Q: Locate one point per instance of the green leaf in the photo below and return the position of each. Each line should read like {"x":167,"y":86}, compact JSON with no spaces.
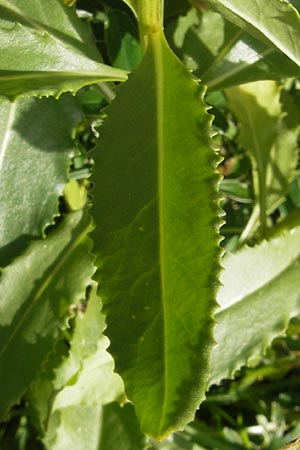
{"x":276,"y":22}
{"x":36,"y":292}
{"x":122,"y":40}
{"x":270,"y":135}
{"x":47,"y":50}
{"x":155,"y":206}
{"x":82,"y":384}
{"x":35,"y":157}
{"x":260,"y":294}
{"x":222,"y":54}
{"x":236,"y":190}
{"x":126,"y":430}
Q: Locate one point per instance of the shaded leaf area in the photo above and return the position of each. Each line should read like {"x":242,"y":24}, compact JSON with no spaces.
{"x":132,"y":5}
{"x":156,"y":240}
{"x":35,"y":156}
{"x":296,"y":4}
{"x":37,"y":290}
{"x":122,"y":40}
{"x":221,"y":54}
{"x":126,"y":430}
{"x":275,"y":22}
{"x":47,"y":50}
{"x":66,"y":400}
{"x":269,"y":131}
{"x":259,"y":295}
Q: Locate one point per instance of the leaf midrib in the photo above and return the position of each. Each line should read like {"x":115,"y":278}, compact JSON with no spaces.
{"x":9,"y":125}
{"x":42,"y":74}
{"x":157,"y":41}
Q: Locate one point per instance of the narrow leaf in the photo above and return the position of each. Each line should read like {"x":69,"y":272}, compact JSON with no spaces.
{"x":35,"y":156}
{"x":276,"y":22}
{"x":47,"y":50}
{"x":36,"y":292}
{"x":271,"y":137}
{"x":155,"y":206}
{"x":260,"y":294}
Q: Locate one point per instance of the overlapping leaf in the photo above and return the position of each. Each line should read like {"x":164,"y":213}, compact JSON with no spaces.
{"x":37,"y":290}
{"x":47,"y":50}
{"x":35,"y":156}
{"x":269,"y":131}
{"x":68,"y":398}
{"x":127,"y":434}
{"x":155,"y":206}
{"x":222,"y":54}
{"x":275,"y":22}
{"x":260,"y":294}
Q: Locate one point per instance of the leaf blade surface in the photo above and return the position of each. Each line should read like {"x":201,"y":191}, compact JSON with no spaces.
{"x":47,"y":50}
{"x":36,"y":292}
{"x":35,"y":157}
{"x":276,"y":22}
{"x":150,"y":179}
{"x":260,"y":294}
{"x":269,"y":132}
{"x":221,"y":54}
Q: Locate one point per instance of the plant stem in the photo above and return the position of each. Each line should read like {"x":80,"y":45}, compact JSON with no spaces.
{"x":107,"y":91}
{"x":150,"y":18}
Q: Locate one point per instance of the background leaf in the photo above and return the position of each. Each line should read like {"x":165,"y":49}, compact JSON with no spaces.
{"x":270,"y":135}
{"x":36,"y":292}
{"x":221,"y":54}
{"x":47,"y":50}
{"x":276,"y":22}
{"x":83,"y":383}
{"x":126,"y":435}
{"x":35,"y":156}
{"x":157,"y":238}
{"x":259,"y":295}
{"x":125,"y":51}
{"x":72,"y":388}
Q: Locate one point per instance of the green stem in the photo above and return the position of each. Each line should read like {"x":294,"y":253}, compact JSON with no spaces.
{"x":150,"y":18}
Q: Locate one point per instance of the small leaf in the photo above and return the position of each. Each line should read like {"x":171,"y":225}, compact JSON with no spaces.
{"x":35,"y":156}
{"x":36,"y":292}
{"x":271,"y":137}
{"x":47,"y":50}
{"x":275,"y":22}
{"x":260,"y":294}
{"x":155,"y":206}
{"x":236,"y":190}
